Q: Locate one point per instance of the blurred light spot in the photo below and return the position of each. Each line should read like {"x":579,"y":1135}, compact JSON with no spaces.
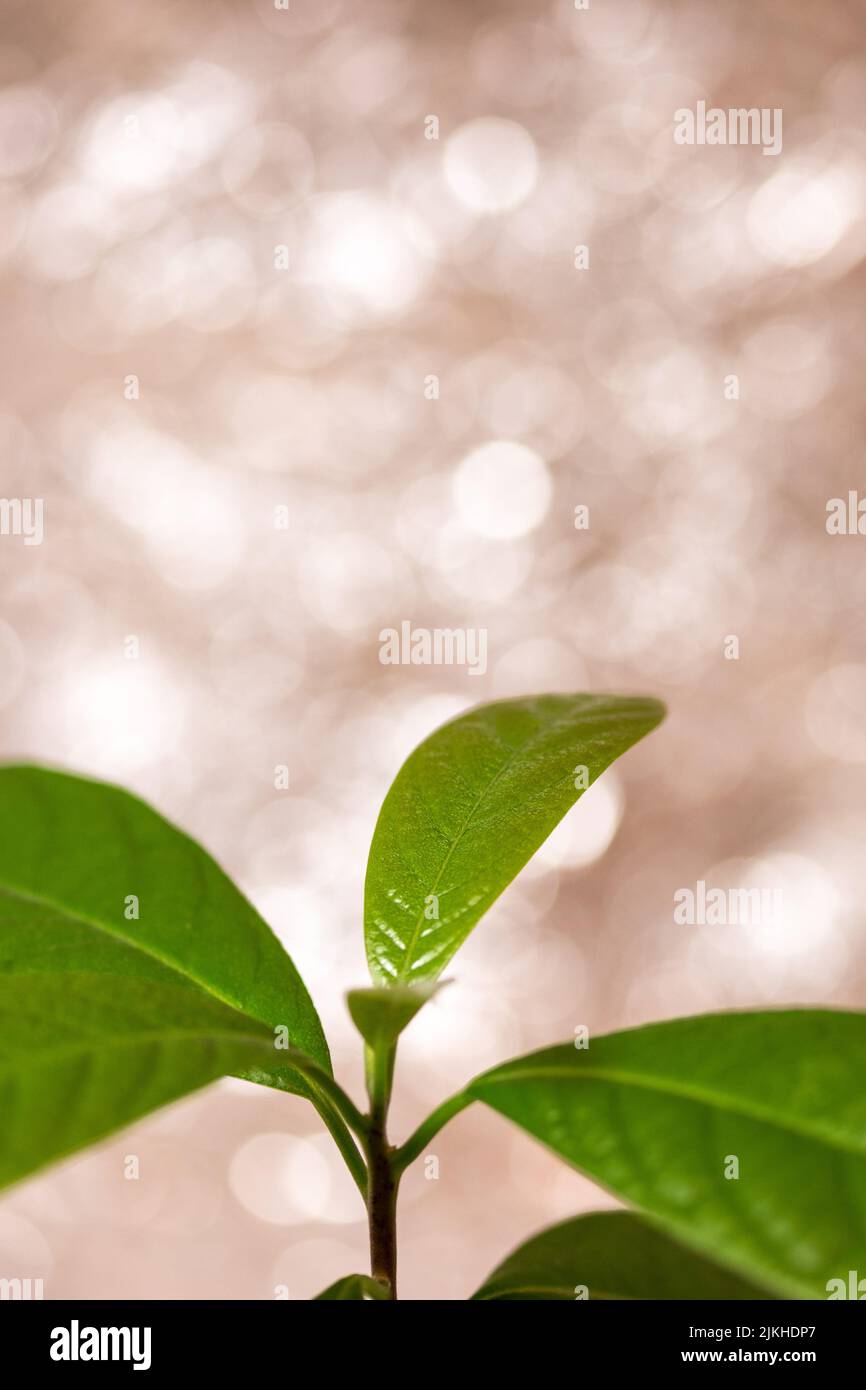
{"x":214,"y":284}
{"x":539,"y":963}
{"x":95,"y":1187}
{"x":621,"y":339}
{"x":845,"y":86}
{"x":210,"y":102}
{"x":518,"y":397}
{"x":454,"y":1028}
{"x":369,"y":250}
{"x":371,"y":74}
{"x":131,"y":145}
{"x":68,"y":228}
{"x":122,"y":715}
{"x":317,"y":331}
{"x":690,"y":488}
{"x":267,"y":169}
{"x":618,"y":592}
{"x":615,"y":30}
{"x":672,"y":394}
{"x":186,"y":512}
{"x":279,"y":421}
{"x":24,"y":1251}
{"x":13,"y":219}
{"x":588,"y":829}
{"x":519,"y":64}
{"x":480,"y":572}
{"x":145,"y":141}
{"x":28,"y":129}
{"x":135,"y":288}
{"x":309,"y":921}
{"x":797,"y":950}
{"x":502,"y":489}
{"x":12,"y":664}
{"x":530,"y":896}
{"x":345,"y":1205}
{"x":345,"y":582}
{"x":282,"y":1179}
{"x":615,"y":156}
{"x":491,"y":164}
{"x":801,"y":213}
{"x":194,"y":1198}
{"x":835,"y":709}
{"x":293,"y":840}
{"x":420,"y":718}
{"x":541,"y":663}
{"x":789,"y":369}
{"x":253,"y":674}
{"x":418,"y":184}
{"x":667,"y":993}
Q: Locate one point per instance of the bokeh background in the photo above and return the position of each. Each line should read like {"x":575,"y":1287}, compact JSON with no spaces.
{"x":241,"y":208}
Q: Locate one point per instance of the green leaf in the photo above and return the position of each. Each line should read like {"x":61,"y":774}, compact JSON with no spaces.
{"x":77,"y":856}
{"x":470,"y":807}
{"x":610,"y":1254}
{"x":380,"y":1015}
{"x":658,"y":1114}
{"x":84,"y":1054}
{"x":354,"y":1288}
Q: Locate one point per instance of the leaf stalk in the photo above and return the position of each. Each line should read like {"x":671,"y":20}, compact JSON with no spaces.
{"x":428,"y":1129}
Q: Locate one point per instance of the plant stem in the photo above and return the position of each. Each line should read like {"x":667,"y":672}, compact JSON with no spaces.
{"x":379,"y":1075}
{"x":427,"y":1130}
{"x":382,"y":1207}
{"x":383,"y":1181}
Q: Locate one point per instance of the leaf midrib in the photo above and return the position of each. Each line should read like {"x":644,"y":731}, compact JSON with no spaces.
{"x":107,"y":1043}
{"x":144,"y":949}
{"x":401,"y":975}
{"x":726,"y":1103}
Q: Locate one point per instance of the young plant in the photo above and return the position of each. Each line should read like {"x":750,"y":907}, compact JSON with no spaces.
{"x":132,"y":972}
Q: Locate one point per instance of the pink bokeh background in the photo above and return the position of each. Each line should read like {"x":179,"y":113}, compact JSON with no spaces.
{"x":243,"y":286}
